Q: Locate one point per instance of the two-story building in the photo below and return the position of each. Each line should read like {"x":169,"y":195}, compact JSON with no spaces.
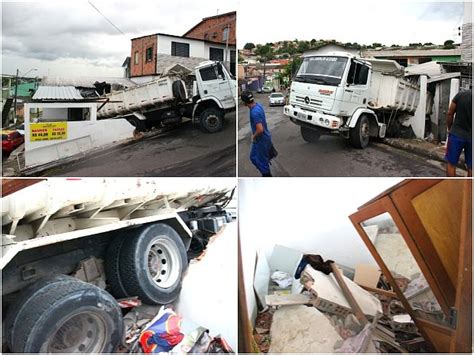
{"x":211,"y":39}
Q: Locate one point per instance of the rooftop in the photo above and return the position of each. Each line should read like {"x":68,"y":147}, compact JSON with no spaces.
{"x":57,"y":93}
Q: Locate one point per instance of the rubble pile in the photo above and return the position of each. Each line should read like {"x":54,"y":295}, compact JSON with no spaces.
{"x":374,"y":322}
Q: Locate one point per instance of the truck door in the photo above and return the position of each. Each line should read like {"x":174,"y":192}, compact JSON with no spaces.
{"x":215,"y":81}
{"x":356,"y":90}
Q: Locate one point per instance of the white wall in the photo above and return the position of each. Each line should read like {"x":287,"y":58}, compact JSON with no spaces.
{"x":197,"y":49}
{"x":81,"y":135}
{"x":309,"y":215}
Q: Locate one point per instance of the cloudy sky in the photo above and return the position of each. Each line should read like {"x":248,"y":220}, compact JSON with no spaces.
{"x":72,"y":38}
{"x":365,"y":22}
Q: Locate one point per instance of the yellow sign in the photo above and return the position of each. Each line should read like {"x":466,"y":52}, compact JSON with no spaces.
{"x":48,"y":131}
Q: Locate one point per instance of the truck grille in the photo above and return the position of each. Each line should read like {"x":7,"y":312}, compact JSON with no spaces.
{"x":312,"y":102}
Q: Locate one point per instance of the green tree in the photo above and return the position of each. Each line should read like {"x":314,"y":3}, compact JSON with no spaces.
{"x":449,"y":44}
{"x":249,"y":46}
{"x":264,"y":54}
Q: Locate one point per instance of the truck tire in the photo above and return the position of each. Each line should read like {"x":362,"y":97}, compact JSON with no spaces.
{"x":179,"y":91}
{"x":152,"y":264}
{"x":212,"y":120}
{"x":70,"y":316}
{"x":23,"y":301}
{"x":359,"y":135}
{"x":112,"y":268}
{"x":309,"y":135}
{"x":138,"y":124}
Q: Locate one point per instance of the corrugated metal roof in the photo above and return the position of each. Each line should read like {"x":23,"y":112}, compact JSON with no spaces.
{"x":85,"y":81}
{"x":60,"y":93}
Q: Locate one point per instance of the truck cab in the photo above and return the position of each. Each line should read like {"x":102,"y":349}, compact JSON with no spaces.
{"x":328,"y":95}
{"x":214,"y":95}
{"x":214,"y":82}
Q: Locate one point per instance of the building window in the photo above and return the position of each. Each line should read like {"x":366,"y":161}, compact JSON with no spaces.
{"x":225,"y":34}
{"x":149,"y":54}
{"x":179,"y":49}
{"x":136,"y":57}
{"x":216,"y":54}
{"x":208,"y":73}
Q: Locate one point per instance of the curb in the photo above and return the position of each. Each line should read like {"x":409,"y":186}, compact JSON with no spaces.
{"x":410,"y":145}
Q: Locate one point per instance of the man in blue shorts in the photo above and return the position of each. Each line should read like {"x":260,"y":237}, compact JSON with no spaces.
{"x":460,"y":132}
{"x":261,"y":137}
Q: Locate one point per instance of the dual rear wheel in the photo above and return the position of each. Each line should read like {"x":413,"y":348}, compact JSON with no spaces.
{"x":64,"y":314}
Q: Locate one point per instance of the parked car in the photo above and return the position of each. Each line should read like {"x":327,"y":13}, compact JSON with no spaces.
{"x":276,"y":99}
{"x":11,"y":140}
{"x":267,"y":89}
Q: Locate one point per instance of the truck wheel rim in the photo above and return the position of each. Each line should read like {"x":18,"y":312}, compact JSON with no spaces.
{"x":85,"y":332}
{"x":164,"y":263}
{"x":212,"y":121}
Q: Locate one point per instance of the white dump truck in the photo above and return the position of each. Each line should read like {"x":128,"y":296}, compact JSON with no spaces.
{"x":208,"y":97}
{"x":71,"y":248}
{"x":339,"y":93}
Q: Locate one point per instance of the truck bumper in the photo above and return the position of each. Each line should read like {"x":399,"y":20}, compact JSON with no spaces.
{"x":318,"y":119}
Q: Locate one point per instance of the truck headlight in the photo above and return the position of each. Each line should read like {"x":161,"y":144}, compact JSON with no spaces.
{"x":326,"y":122}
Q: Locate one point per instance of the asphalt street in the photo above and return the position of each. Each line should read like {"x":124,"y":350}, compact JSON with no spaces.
{"x":185,"y":151}
{"x":330,"y":156}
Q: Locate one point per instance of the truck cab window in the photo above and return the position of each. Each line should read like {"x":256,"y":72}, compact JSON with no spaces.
{"x":220,"y":72}
{"x":361,"y":75}
{"x":358,"y":74}
{"x":208,"y":73}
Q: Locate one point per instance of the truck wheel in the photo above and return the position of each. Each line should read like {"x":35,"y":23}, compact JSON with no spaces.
{"x":153,"y":263}
{"x":112,"y":264}
{"x":68,"y":316}
{"x":138,"y":124}
{"x":309,"y":135}
{"x":359,"y":135}
{"x":179,"y":91}
{"x":23,"y":301}
{"x":212,"y":120}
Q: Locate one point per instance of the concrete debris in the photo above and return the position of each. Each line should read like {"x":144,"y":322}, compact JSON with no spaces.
{"x":322,"y":320}
{"x":287,"y":300}
{"x":302,"y":329}
{"x":331,"y":299}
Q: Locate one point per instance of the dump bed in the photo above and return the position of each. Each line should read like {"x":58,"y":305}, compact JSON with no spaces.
{"x":389,"y":89}
{"x":156,"y":93}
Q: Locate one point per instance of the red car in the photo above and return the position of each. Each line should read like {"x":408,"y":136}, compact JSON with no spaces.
{"x":11,"y":140}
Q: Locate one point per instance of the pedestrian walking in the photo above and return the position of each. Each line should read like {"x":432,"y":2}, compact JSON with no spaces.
{"x":459,"y":124}
{"x":260,"y":153}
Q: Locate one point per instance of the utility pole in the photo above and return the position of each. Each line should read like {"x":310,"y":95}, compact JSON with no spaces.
{"x":16,"y":93}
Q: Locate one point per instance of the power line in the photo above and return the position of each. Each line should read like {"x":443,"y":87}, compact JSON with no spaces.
{"x":118,"y":29}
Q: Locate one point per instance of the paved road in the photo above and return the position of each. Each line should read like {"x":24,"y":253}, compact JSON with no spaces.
{"x":331,"y":156}
{"x":186,"y":151}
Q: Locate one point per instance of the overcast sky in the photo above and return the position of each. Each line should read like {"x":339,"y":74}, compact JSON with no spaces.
{"x":72,"y":38}
{"x":364,"y":22}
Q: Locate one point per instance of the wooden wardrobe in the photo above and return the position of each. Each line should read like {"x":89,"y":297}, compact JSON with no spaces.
{"x":421,"y":231}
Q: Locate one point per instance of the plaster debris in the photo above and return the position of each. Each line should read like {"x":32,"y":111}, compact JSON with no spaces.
{"x":302,"y":329}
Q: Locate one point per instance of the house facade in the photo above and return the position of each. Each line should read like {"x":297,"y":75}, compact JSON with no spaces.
{"x":152,"y":54}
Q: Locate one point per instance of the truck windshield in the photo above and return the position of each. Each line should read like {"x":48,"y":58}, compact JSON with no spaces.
{"x":321,"y":70}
